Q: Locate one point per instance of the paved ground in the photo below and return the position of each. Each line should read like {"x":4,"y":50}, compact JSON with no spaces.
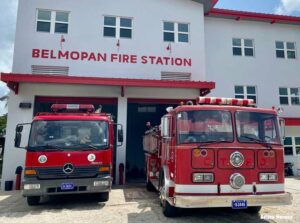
{"x":134,"y":204}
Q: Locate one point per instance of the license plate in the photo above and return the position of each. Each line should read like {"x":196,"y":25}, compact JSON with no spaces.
{"x":67,"y":186}
{"x":239,"y":204}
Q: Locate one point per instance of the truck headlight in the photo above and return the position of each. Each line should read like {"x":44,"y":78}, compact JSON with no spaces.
{"x":267,"y":177}
{"x":101,"y":183}
{"x":32,"y":186}
{"x":203,"y":177}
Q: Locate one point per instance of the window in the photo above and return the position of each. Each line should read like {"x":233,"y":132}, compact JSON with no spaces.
{"x":292,"y":144}
{"x":117,"y":27}
{"x":176,"y":32}
{"x":245,"y":92}
{"x":285,"y":50}
{"x":52,"y":21}
{"x":289,"y":96}
{"x":243,"y":47}
{"x":288,"y":146}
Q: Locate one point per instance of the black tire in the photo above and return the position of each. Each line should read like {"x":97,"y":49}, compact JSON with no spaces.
{"x":33,"y":200}
{"x":169,"y":211}
{"x":253,"y":210}
{"x":103,"y":197}
{"x":150,"y":187}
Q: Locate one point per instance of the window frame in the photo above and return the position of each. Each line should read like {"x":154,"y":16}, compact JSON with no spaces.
{"x":176,"y":32}
{"x":118,"y":27}
{"x":289,"y":96}
{"x":243,"y":47}
{"x":52,"y":21}
{"x":245,"y":92}
{"x":285,"y":49}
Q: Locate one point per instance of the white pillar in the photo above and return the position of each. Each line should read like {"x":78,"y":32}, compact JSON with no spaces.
{"x":121,"y":151}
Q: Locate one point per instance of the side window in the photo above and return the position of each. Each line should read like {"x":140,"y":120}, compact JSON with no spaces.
{"x":270,"y":132}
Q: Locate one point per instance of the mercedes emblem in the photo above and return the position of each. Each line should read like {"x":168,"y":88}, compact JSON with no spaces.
{"x":68,"y":168}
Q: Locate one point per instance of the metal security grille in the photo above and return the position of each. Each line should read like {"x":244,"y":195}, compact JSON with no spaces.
{"x":58,"y":173}
{"x":54,"y":70}
{"x":176,"y":76}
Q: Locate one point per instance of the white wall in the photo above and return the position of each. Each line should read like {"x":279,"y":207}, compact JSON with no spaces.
{"x":14,"y":157}
{"x":86,"y":34}
{"x":264,"y":70}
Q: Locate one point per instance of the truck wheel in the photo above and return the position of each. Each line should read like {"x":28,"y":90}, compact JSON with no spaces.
{"x":150,"y":187}
{"x":104,"y":196}
{"x":253,"y":210}
{"x":33,"y":200}
{"x":169,"y":210}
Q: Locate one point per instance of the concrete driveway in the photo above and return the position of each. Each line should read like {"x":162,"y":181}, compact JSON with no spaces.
{"x":134,"y":204}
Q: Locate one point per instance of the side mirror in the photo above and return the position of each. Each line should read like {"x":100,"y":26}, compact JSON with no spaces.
{"x":282,"y":128}
{"x":19,"y":128}
{"x":120,"y":135}
{"x":18,"y":135}
{"x":18,"y":138}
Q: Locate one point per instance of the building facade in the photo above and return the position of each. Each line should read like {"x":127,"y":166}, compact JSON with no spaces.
{"x":137,"y":57}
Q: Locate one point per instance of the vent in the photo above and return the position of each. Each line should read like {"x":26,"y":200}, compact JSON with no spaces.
{"x":54,"y":70}
{"x":175,"y":76}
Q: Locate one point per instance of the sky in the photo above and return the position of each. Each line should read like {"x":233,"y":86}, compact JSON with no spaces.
{"x":8,"y":13}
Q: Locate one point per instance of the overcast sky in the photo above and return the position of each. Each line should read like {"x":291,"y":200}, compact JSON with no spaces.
{"x":8,"y":12}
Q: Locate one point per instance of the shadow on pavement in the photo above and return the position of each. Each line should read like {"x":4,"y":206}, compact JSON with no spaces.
{"x":14,"y":205}
{"x":149,"y":210}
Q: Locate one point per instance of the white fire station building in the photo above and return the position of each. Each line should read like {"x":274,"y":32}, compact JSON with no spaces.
{"x":137,"y":57}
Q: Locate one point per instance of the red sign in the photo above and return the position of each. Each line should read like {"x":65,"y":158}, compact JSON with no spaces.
{"x":112,"y":58}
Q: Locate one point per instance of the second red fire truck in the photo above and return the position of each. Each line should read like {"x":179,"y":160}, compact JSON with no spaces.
{"x":218,"y":153}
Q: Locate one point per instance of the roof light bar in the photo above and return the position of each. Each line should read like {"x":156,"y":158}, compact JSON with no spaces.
{"x":72,"y":107}
{"x":224,"y":101}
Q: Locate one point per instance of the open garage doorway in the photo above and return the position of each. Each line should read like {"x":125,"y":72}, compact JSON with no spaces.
{"x":139,"y":113}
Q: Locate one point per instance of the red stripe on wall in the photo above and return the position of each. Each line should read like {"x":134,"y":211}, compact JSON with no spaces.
{"x":292,"y":121}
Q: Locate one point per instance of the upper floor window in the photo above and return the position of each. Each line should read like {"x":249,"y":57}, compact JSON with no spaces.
{"x":52,"y":21}
{"x":289,"y":96}
{"x":292,"y":145}
{"x":243,"y":47}
{"x":245,"y":92}
{"x":285,"y":50}
{"x":117,"y":27}
{"x":176,"y":32}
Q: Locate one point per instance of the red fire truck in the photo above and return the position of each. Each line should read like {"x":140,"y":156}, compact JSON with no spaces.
{"x":70,"y":151}
{"x":220,"y":152}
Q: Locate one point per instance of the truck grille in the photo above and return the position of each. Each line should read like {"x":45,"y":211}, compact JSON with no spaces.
{"x":58,"y":173}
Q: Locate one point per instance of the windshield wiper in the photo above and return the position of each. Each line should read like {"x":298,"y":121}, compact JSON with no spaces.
{"x":211,"y":142}
{"x":263,"y":143}
{"x":90,"y":146}
{"x":47,"y":147}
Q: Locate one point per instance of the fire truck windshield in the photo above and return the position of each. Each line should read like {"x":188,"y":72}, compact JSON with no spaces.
{"x":204,"y":126}
{"x":68,"y":135}
{"x":257,"y":127}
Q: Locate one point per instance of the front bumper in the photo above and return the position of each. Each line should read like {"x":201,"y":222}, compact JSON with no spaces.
{"x":52,"y":187}
{"x":226,"y":201}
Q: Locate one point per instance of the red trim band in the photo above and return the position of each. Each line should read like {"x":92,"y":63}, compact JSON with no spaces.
{"x":122,"y":82}
{"x":292,"y":121}
{"x":241,"y":15}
